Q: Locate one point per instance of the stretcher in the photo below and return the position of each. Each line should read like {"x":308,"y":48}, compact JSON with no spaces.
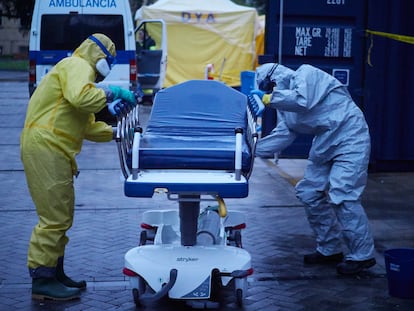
{"x":197,"y":149}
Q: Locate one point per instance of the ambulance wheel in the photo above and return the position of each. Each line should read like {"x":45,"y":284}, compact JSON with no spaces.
{"x":239,"y":297}
{"x":143,"y":238}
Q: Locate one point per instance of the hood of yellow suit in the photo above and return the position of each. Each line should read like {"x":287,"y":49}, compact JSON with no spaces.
{"x":91,"y":52}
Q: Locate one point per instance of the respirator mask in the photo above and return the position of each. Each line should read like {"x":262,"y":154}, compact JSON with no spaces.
{"x":104,"y":65}
{"x":267,"y":85}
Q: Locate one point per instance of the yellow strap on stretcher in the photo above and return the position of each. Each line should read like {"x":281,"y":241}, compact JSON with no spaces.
{"x":222,"y":210}
{"x":401,"y":38}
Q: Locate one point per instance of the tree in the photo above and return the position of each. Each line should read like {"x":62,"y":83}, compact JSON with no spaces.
{"x":21,"y":9}
{"x":136,"y":4}
{"x":260,"y":5}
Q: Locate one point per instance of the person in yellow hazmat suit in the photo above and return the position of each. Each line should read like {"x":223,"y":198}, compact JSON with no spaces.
{"x":59,"y":117}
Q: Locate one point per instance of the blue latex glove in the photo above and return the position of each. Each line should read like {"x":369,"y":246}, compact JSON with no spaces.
{"x":139,"y":93}
{"x":116,"y":107}
{"x":258,"y":93}
{"x":120,"y":93}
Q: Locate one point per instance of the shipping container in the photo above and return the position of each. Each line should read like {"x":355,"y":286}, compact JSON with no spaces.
{"x":333,"y":35}
{"x":389,"y":79}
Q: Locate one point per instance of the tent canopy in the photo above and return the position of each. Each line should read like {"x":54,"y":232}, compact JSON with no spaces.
{"x":202,"y":32}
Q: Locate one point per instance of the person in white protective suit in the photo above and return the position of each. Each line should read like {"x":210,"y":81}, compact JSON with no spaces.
{"x":311,"y":101}
{"x":60,"y":115}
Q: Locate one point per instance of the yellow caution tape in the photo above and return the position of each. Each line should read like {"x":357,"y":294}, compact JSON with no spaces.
{"x":401,"y":38}
{"x":406,"y":39}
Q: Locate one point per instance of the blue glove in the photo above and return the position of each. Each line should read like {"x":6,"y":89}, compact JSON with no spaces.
{"x":139,"y":93}
{"x":116,"y":107}
{"x":120,"y":93}
{"x":258,"y":93}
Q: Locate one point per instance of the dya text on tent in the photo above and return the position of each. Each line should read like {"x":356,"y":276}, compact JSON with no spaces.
{"x":197,"y":18}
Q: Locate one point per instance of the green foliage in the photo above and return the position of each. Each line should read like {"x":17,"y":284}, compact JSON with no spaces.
{"x":10,"y":63}
{"x":20,"y":9}
{"x":23,"y":8}
{"x":260,"y":5}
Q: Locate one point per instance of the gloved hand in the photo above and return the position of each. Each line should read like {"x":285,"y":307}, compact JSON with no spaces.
{"x":258,"y":93}
{"x":139,"y":93}
{"x":265,"y":98}
{"x":120,"y":93}
{"x":116,"y":107}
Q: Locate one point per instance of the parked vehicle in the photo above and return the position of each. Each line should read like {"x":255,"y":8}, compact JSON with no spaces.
{"x":151,"y":53}
{"x":58,"y":27}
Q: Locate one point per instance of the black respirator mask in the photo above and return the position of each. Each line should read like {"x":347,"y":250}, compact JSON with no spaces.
{"x":267,"y":85}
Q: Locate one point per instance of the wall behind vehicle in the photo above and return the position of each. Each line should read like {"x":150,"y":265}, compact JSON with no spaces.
{"x":13,"y":39}
{"x":332,"y":35}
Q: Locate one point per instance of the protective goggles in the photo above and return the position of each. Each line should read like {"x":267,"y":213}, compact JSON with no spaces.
{"x":109,"y":58}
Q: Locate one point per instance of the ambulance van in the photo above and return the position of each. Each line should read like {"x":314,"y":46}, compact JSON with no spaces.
{"x":59,"y":26}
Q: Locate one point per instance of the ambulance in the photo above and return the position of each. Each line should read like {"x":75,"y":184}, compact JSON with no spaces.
{"x":59,"y":27}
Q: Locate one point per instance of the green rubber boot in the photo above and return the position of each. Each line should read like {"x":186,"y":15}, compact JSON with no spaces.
{"x":51,"y":288}
{"x":65,"y":280}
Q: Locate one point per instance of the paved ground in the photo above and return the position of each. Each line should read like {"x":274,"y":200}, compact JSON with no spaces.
{"x":107,"y":225}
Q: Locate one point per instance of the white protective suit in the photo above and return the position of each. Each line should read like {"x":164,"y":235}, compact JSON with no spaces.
{"x":310,"y":101}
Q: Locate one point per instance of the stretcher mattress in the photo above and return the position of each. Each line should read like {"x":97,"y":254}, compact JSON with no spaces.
{"x":192,"y":126}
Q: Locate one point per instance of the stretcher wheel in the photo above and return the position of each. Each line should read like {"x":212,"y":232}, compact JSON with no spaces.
{"x":216,"y":285}
{"x":238,"y":239}
{"x":139,"y":291}
{"x":135,"y":294}
{"x":143,"y":238}
{"x":239,"y":297}
{"x":235,"y":239}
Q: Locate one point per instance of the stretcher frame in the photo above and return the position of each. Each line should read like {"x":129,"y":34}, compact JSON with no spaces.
{"x":189,"y":187}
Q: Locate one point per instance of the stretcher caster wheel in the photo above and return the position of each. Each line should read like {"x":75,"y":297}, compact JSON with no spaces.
{"x":139,"y":289}
{"x":239,"y":297}
{"x":135,"y":294}
{"x":234,"y":238}
{"x":143,"y":238}
{"x":238,"y":239}
{"x":216,"y":285}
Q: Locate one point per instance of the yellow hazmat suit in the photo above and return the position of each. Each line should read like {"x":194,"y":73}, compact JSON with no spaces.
{"x":59,"y":116}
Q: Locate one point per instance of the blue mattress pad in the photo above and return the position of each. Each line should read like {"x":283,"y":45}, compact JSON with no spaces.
{"x":192,"y":126}
{"x":203,"y":152}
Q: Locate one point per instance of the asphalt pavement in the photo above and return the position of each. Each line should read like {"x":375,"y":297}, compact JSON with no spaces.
{"x":106,"y":226}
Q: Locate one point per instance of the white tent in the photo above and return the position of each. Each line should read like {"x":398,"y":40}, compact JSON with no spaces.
{"x":202,"y":32}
